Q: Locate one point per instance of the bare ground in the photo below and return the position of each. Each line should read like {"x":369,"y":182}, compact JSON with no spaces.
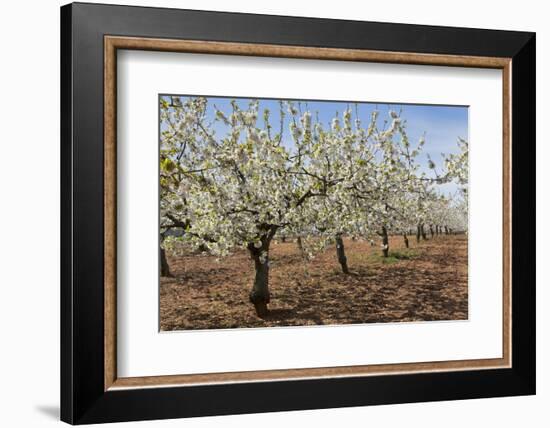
{"x":425,"y":283}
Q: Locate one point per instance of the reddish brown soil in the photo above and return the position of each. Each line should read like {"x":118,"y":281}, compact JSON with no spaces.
{"x":425,"y":283}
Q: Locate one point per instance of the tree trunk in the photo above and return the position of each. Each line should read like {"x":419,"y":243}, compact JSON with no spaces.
{"x":418,"y":233}
{"x":446,"y":230}
{"x":385,"y":242}
{"x":283,"y":239}
{"x":164,"y":267}
{"x":423,"y":232}
{"x":259,"y":295}
{"x":406,"y":240}
{"x":341,"y":254}
{"x":431,"y":231}
{"x":300,"y":246}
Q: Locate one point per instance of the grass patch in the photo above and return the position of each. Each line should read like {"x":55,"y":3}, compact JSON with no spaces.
{"x":407,"y":254}
{"x":394,"y":256}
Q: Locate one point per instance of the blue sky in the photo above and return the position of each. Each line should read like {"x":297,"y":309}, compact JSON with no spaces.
{"x":441,"y":125}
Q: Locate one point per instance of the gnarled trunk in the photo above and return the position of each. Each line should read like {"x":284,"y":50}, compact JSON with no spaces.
{"x":259,"y":295}
{"x":406,"y":240}
{"x":341,"y":254}
{"x":385,"y":242}
{"x":423,"y":232}
{"x":300,"y":247}
{"x":431,"y":231}
{"x":418,"y":233}
{"x":164,"y":267}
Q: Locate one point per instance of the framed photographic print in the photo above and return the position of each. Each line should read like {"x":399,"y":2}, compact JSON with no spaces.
{"x":265,"y":213}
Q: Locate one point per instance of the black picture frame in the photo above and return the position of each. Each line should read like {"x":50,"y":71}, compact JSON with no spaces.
{"x":83,"y":399}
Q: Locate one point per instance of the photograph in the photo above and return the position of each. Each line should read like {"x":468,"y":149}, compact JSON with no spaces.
{"x":289,"y":212}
